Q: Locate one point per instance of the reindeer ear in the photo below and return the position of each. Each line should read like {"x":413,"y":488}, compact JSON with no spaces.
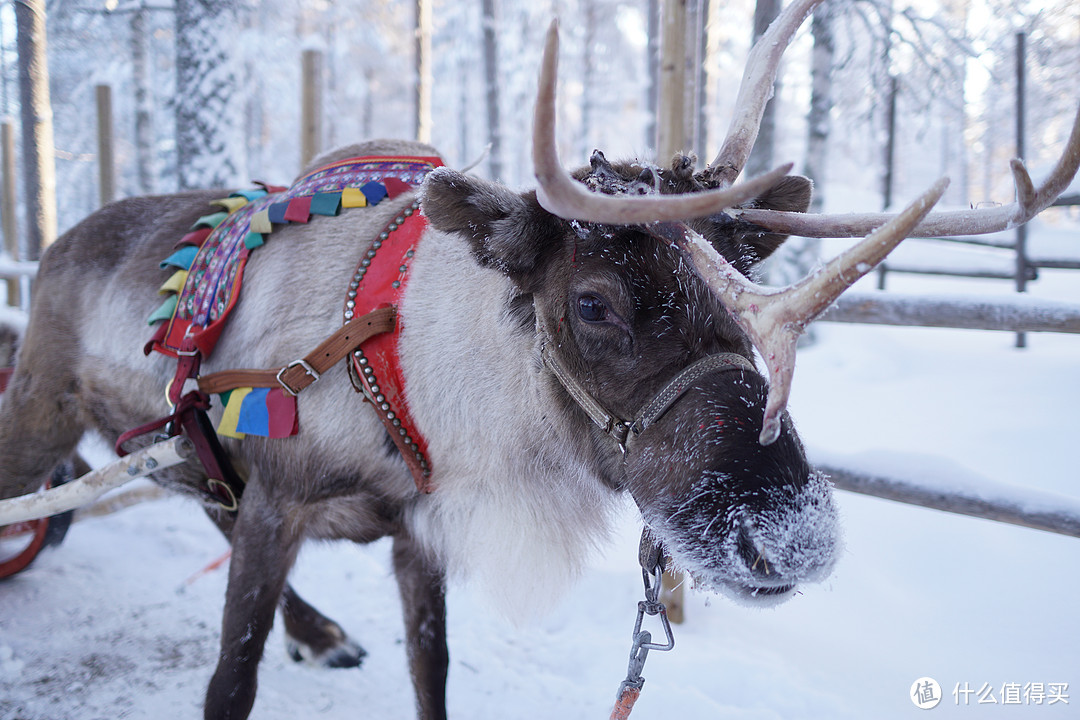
{"x":790,"y":194}
{"x":507,"y":230}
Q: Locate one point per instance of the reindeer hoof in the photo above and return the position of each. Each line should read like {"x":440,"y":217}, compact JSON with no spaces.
{"x":346,"y":653}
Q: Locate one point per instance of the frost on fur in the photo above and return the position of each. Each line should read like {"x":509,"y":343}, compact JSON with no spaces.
{"x":757,"y":559}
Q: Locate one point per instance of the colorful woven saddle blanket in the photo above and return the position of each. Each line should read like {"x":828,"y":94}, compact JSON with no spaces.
{"x":208,"y":268}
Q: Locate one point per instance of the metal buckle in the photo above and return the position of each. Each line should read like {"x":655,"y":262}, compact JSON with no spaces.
{"x":233,"y":503}
{"x":310,"y":371}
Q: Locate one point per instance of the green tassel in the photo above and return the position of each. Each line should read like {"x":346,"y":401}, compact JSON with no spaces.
{"x":164,"y":311}
{"x":211,"y":221}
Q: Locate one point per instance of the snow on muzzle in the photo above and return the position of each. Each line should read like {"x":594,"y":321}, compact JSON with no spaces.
{"x":747,"y":520}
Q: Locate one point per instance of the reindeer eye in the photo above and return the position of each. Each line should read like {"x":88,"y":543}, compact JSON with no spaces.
{"x":592,"y":309}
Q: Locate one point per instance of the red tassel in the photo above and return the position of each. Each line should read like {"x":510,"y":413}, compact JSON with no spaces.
{"x":299,"y":209}
{"x":395,"y":187}
{"x":195,"y":237}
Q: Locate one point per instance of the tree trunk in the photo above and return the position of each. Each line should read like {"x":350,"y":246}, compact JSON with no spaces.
{"x":589,"y":80}
{"x":701,"y":79}
{"x":652,"y":93}
{"x":761,"y":157}
{"x":209,"y":146}
{"x":797,"y":257}
{"x":819,"y":124}
{"x":145,"y":151}
{"x":491,"y":80}
{"x":39,"y":154}
{"x":8,"y":200}
{"x":886,"y":85}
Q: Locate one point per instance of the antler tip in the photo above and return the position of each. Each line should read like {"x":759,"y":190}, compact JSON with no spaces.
{"x":553,"y":32}
{"x":770,"y":431}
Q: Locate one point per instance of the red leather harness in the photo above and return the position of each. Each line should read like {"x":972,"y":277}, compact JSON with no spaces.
{"x":378,"y":282}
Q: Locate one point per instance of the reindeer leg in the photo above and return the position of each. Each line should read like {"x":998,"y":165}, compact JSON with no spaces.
{"x":310,"y":636}
{"x":40,"y":425}
{"x":423,"y":597}
{"x":264,"y":547}
{"x":314,"y":638}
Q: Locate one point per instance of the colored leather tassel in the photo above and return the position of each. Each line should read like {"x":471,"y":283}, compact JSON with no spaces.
{"x":164,"y":311}
{"x":182,"y":258}
{"x":175,"y":283}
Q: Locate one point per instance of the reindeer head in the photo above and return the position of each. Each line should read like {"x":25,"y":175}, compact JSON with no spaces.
{"x":619,"y":316}
{"x":634,"y":280}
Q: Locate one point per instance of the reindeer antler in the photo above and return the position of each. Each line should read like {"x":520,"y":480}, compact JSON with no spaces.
{"x":1030,"y":201}
{"x":774,"y":318}
{"x":561,"y":195}
{"x":754,"y":92}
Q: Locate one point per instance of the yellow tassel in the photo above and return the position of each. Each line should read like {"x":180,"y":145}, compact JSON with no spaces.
{"x":260,"y":222}
{"x":232,"y":204}
{"x":174,"y":284}
{"x":231,"y":416}
{"x":352,"y":197}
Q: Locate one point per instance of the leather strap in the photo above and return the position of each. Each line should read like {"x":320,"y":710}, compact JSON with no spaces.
{"x":298,"y":374}
{"x":223,"y":485}
{"x":623,"y":431}
{"x":682,"y":382}
{"x":605,"y":420}
{"x":5,"y":377}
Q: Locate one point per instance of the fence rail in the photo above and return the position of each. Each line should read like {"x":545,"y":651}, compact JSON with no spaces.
{"x":1063,"y":518}
{"x":11,"y":269}
{"x":1009,"y":313}
{"x":19,"y":275}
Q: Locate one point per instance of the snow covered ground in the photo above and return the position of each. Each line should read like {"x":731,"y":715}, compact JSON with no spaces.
{"x":108,"y":626}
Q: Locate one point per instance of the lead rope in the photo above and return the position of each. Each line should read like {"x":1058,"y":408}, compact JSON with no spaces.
{"x":652,"y":570}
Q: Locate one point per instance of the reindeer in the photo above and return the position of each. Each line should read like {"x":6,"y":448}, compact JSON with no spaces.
{"x":560,"y":347}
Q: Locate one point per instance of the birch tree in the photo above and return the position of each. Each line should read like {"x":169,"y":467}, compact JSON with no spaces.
{"x":39,"y":162}
{"x":208,"y":108}
{"x":491,"y":86}
{"x":145,"y":145}
{"x":797,"y":256}
{"x":761,"y":158}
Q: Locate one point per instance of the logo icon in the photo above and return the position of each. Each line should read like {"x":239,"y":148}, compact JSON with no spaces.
{"x":925,"y":693}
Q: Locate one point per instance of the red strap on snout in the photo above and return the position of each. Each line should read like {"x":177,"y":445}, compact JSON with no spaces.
{"x":5,"y":376}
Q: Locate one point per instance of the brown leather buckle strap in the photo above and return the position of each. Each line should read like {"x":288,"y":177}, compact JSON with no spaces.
{"x":223,"y":485}
{"x":298,"y":374}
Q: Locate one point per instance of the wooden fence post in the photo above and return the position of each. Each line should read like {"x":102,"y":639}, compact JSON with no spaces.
{"x":106,"y":157}
{"x":424,"y":78}
{"x":7,"y":206}
{"x":671,"y":113}
{"x":672,"y":137}
{"x":311,"y":107}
